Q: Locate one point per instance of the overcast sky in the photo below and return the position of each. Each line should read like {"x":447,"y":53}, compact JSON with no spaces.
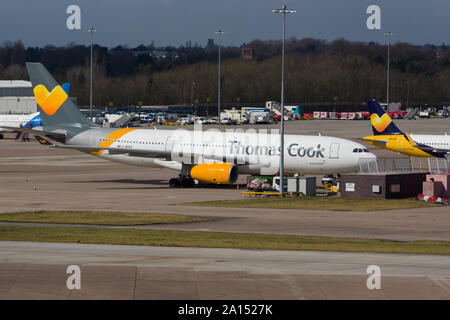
{"x":173,"y":22}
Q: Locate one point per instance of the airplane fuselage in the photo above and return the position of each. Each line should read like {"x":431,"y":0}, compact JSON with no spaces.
{"x":251,"y":151}
{"x":441,"y":142}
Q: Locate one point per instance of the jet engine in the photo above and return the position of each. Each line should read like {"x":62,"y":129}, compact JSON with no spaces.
{"x":218,"y":173}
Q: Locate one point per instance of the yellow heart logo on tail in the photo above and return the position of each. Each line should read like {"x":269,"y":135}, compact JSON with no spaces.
{"x":50,"y":101}
{"x":380,"y":124}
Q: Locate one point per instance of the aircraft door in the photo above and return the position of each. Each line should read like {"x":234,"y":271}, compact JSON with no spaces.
{"x":95,"y":138}
{"x":169,"y":143}
{"x":334,"y":151}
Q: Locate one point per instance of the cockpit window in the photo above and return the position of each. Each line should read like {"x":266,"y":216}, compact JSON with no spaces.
{"x":358,"y":150}
{"x":365,"y":150}
{"x":355,"y":150}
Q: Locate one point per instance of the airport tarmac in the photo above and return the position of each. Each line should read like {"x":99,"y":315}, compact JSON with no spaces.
{"x":81,"y":182}
{"x":70,"y":180}
{"x":38,"y":271}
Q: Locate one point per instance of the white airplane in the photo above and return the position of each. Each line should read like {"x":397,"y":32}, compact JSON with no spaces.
{"x":19,"y":120}
{"x":209,"y":156}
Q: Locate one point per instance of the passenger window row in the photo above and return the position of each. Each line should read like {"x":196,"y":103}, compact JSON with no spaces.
{"x":128,"y":141}
{"x":203,"y":145}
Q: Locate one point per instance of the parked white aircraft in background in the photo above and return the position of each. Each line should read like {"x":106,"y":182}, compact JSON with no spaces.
{"x":18,"y":121}
{"x":209,"y":156}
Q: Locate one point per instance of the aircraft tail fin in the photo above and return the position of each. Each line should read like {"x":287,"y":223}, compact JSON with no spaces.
{"x":381,"y":123}
{"x":57,"y":110}
{"x":66,"y":87}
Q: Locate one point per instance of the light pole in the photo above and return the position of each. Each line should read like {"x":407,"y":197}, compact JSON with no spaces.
{"x":91,"y":31}
{"x":388,"y":35}
{"x":220,"y":33}
{"x":192,"y":94}
{"x":192,"y":97}
{"x":284,"y":10}
{"x":407,"y":94}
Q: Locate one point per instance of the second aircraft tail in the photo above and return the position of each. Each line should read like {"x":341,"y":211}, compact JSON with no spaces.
{"x":381,"y":123}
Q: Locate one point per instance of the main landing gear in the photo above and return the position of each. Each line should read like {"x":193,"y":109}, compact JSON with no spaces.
{"x":181,"y":182}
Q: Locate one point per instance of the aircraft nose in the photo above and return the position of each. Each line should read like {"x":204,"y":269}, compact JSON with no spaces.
{"x":364,"y":157}
{"x":367,"y":162}
{"x":370,"y":155}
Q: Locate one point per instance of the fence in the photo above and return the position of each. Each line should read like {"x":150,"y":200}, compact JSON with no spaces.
{"x":411,"y":164}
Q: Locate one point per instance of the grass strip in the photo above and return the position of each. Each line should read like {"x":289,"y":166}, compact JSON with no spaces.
{"x":317,"y":203}
{"x":97,"y":217}
{"x":216,"y":240}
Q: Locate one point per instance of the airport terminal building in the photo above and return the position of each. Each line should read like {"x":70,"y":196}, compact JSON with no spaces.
{"x":16,"y":97}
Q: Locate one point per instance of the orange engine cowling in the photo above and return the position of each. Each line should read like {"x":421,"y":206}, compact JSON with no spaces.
{"x":218,"y":173}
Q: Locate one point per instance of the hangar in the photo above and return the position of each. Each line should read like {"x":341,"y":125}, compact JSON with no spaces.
{"x":16,"y":97}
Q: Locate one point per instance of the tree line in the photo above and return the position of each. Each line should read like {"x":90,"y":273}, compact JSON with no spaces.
{"x":317,"y":71}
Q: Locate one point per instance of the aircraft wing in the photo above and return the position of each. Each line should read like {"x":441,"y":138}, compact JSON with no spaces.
{"x":113,"y":150}
{"x":53,"y":135}
{"x":159,"y":153}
